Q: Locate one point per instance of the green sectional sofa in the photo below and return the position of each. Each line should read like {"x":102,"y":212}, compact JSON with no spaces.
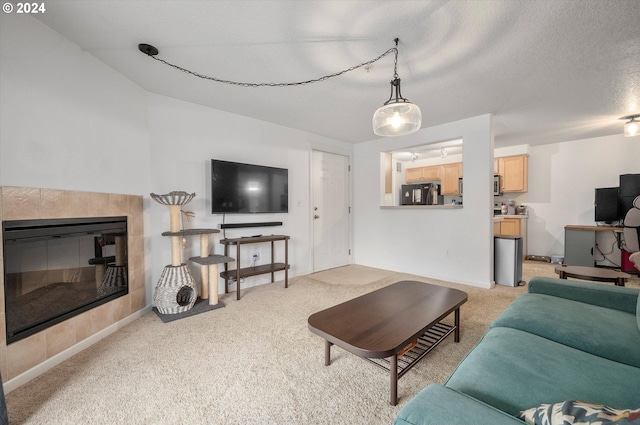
{"x":563,"y":340}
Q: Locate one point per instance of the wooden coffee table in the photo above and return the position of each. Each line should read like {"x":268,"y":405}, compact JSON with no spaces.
{"x":380,"y":325}
{"x":597,"y":274}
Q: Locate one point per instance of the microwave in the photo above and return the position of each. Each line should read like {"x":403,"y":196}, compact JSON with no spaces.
{"x":496,"y":185}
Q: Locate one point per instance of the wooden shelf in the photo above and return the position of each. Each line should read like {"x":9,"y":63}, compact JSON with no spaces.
{"x":242,"y":272}
{"x":426,"y":342}
{"x":255,"y":270}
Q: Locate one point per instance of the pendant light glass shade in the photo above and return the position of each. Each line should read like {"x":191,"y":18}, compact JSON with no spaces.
{"x":398,"y":116}
{"x":397,"y":119}
{"x":632,"y":128}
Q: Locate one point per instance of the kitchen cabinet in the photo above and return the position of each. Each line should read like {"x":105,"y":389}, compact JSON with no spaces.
{"x":449,"y":178}
{"x":423,"y":174}
{"x":513,"y":171}
{"x":511,"y":227}
{"x":497,"y":227}
{"x":413,"y":175}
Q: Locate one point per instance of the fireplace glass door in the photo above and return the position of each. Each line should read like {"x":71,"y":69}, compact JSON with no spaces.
{"x":56,"y":269}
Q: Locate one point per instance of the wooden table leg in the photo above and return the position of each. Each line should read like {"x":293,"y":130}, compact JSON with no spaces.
{"x":286,"y":263}
{"x":393,"y":397}
{"x":226,"y":269}
{"x":456,"y":321}
{"x":327,"y":352}
{"x":620,"y":281}
{"x":238,"y":272}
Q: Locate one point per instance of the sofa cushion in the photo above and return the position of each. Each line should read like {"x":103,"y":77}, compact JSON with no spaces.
{"x":514,"y":370}
{"x":437,"y":404}
{"x":607,"y":333}
{"x":578,"y":412}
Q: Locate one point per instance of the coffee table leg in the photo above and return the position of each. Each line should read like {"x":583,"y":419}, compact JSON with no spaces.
{"x":456,"y":321}
{"x":394,"y":380}
{"x":327,"y":352}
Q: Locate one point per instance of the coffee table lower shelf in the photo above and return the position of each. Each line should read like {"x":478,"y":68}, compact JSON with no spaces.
{"x":426,"y":342}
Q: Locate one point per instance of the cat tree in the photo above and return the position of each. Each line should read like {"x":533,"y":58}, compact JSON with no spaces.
{"x":176,"y":291}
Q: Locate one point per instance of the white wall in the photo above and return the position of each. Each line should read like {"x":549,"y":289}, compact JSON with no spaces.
{"x":562,"y":181}
{"x":449,"y":244}
{"x":185,"y":137}
{"x":68,"y":121}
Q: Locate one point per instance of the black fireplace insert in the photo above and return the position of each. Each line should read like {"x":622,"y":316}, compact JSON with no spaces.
{"x":55,"y":269}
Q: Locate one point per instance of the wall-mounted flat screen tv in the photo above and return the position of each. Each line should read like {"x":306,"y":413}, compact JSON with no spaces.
{"x":248,"y":189}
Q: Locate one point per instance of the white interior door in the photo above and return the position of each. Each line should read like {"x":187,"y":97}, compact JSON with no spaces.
{"x":331,"y":211}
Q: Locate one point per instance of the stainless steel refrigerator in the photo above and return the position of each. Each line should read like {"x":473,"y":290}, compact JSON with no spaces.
{"x":421,"y":194}
{"x":507,"y":267}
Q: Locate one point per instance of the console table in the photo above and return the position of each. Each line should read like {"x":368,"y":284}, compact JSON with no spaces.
{"x":240,"y":272}
{"x":579,"y":242}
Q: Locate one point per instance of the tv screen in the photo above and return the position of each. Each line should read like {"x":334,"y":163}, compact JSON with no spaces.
{"x":247,"y":188}
{"x":606,"y":205}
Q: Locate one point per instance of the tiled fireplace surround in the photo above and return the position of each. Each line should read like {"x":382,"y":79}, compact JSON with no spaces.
{"x":22,"y":203}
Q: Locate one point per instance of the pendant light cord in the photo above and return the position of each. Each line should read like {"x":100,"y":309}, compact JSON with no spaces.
{"x":144,"y":48}
{"x":395,"y":60}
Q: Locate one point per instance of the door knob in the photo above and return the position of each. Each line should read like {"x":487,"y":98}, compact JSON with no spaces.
{"x":316,"y":216}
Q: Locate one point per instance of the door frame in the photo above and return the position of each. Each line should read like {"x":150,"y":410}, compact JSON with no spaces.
{"x":349,"y":155}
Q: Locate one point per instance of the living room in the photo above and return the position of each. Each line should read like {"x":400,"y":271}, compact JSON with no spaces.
{"x":70,"y":122}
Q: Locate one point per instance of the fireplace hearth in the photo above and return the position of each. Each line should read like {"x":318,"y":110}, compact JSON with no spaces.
{"x":55,"y":269}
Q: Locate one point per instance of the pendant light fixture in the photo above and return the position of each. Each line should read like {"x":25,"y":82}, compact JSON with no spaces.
{"x":398,"y":116}
{"x":632,"y":127}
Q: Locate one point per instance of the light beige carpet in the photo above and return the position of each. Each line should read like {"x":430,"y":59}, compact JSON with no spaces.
{"x":251,"y":362}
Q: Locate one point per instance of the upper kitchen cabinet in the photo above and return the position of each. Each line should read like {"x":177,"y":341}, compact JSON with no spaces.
{"x":423,"y":174}
{"x":450,"y":176}
{"x":513,"y":171}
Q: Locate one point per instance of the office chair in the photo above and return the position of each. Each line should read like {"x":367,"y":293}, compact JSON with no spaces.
{"x":631,"y":232}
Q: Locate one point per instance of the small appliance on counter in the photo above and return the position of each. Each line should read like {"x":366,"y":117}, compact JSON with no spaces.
{"x":511,"y":207}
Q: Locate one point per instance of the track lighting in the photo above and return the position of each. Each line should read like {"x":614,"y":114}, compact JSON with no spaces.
{"x":632,"y":127}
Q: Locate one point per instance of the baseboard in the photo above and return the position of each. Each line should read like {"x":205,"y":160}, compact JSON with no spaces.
{"x":50,"y":363}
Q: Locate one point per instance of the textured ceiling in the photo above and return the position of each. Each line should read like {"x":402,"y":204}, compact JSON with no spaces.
{"x":549,"y":71}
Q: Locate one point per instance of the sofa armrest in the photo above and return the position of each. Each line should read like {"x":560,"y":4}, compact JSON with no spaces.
{"x":609,"y":296}
{"x":437,"y":404}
